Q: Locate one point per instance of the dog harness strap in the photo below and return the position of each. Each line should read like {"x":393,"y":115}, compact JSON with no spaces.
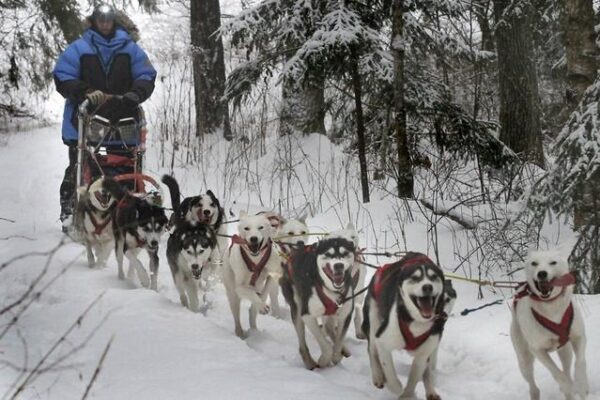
{"x":256,"y":269}
{"x":355,"y":278}
{"x":99,"y":226}
{"x":331,"y":306}
{"x":412,"y":342}
{"x":378,"y":283}
{"x":562,"y":329}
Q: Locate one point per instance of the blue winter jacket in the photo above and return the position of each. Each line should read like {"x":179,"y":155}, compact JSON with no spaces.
{"x":115,"y":66}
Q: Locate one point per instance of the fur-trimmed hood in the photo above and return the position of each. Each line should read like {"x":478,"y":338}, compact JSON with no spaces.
{"x":122,"y":21}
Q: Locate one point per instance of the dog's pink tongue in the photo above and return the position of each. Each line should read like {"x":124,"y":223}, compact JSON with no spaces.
{"x":565,"y":280}
{"x":426,"y":306}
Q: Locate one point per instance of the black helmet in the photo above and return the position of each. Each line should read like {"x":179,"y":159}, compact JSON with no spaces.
{"x":103,"y":12}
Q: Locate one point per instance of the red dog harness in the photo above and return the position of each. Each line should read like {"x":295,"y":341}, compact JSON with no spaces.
{"x":255,"y":268}
{"x":99,"y":226}
{"x":411,"y":342}
{"x":562,"y":329}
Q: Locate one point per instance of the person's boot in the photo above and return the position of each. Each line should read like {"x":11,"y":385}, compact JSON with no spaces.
{"x":66,"y":216}
{"x":66,"y":201}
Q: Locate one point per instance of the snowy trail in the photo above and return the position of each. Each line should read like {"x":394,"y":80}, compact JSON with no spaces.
{"x":162,"y":351}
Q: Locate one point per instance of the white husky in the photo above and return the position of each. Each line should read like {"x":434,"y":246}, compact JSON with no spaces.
{"x":250,"y":268}
{"x":544,"y":319}
{"x":95,"y":211}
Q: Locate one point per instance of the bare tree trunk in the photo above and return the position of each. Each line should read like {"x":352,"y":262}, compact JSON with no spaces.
{"x":212,"y":113}
{"x":581,"y":50}
{"x":405,"y":173}
{"x":520,"y":127}
{"x":360,"y":126}
{"x":303,"y":106}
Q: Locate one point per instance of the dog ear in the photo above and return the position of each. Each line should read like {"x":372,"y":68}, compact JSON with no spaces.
{"x":302,"y":218}
{"x":243,"y":213}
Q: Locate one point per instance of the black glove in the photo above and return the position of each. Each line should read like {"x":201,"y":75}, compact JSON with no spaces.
{"x":130,"y":100}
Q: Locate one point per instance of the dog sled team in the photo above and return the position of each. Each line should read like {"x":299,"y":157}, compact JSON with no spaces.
{"x":404,"y":306}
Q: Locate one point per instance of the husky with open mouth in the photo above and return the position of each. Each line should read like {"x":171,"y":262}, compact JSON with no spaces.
{"x":545,"y":318}
{"x":404,"y":309}
{"x":189,"y":251}
{"x":318,"y":282}
{"x":358,"y":269}
{"x":250,"y":268}
{"x":94,"y":223}
{"x":139,"y":224}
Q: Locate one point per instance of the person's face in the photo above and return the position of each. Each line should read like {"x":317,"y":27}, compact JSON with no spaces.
{"x":105,"y":27}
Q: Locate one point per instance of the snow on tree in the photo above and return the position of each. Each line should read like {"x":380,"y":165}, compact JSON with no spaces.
{"x":573,"y":182}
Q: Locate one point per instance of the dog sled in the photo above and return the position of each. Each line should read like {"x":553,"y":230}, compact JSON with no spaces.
{"x":110,"y":149}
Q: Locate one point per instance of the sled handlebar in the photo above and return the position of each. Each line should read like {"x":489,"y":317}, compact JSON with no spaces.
{"x":83,"y":107}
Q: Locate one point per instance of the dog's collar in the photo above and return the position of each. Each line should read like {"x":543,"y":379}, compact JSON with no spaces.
{"x":99,"y":226}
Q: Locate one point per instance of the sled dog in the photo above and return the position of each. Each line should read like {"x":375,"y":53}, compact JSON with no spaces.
{"x":404,"y":310}
{"x":545,"y":318}
{"x":317,"y":283}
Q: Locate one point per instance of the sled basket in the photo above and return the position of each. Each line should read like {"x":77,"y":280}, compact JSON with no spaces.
{"x":127,"y":132}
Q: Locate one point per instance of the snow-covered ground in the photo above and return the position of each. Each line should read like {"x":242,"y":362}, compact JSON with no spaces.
{"x":162,"y":351}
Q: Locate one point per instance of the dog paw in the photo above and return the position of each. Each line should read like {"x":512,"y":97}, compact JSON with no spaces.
{"x":378,"y":378}
{"x":566,"y":386}
{"x":264,"y":309}
{"x":121,"y":275}
{"x":337,"y":357}
{"x":241,"y":334}
{"x":361,"y":336}
{"x":325,"y":359}
{"x":581,"y":387}
{"x":345,"y":352}
{"x":144,"y":279}
{"x":433,"y":396}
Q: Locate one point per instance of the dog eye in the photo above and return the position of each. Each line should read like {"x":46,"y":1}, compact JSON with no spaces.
{"x":246,"y":228}
{"x":291,"y":233}
{"x":212,"y":204}
{"x":553,"y":263}
{"x":534,"y":263}
{"x":303,"y":232}
{"x":260,"y":228}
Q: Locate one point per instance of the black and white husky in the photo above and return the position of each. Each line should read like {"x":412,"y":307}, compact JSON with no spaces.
{"x":189,"y":250}
{"x":94,"y":223}
{"x":206,"y":209}
{"x":250,"y":268}
{"x":359,"y":270}
{"x":545,"y":319}
{"x":316,"y":284}
{"x":404,"y":310}
{"x":139,"y":224}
